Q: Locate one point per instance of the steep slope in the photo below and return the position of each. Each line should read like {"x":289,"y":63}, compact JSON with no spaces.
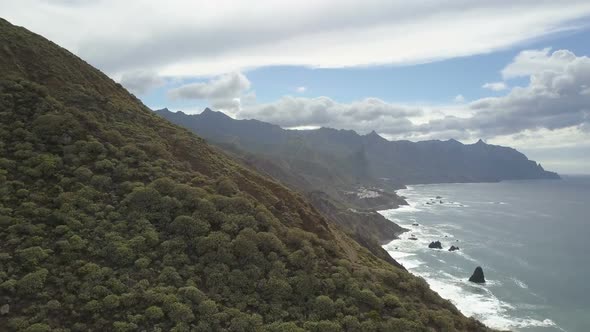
{"x":366,"y":158}
{"x":113,"y":219}
{"x":333,"y":172}
{"x":273,"y":151}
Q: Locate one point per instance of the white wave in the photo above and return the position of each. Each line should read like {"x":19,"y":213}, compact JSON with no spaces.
{"x":520,"y":283}
{"x":478,"y":302}
{"x":471,"y":299}
{"x":401,"y":209}
{"x":497,"y":203}
{"x":466,"y":256}
{"x":411,"y":263}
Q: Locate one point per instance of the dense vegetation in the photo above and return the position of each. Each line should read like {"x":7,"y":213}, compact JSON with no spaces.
{"x":113,"y":219}
{"x":330,"y":185}
{"x":335,"y":169}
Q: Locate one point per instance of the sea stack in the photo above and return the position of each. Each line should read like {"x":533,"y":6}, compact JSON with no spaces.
{"x":453,"y":248}
{"x":435,"y":245}
{"x":477,"y":276}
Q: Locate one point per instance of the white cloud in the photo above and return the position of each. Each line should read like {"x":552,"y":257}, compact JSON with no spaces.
{"x":495,"y":86}
{"x":140,"y":82}
{"x":555,"y":104}
{"x":459,"y":99}
{"x":555,"y":97}
{"x":300,"y":89}
{"x":363,"y":115}
{"x":223,"y":92}
{"x":531,"y":62}
{"x":195,"y":38}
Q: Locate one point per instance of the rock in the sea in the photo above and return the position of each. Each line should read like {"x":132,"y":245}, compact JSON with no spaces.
{"x":435,"y":245}
{"x":477,"y":276}
{"x":413,"y":237}
{"x":415,"y":224}
{"x":5,"y":309}
{"x":438,"y":197}
{"x":453,"y":248}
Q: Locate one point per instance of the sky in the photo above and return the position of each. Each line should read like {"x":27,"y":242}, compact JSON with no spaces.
{"x":513,"y":73}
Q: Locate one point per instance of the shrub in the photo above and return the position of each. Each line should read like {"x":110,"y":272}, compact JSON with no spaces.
{"x":33,"y":282}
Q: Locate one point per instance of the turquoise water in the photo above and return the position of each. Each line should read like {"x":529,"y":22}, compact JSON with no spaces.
{"x":530,"y":237}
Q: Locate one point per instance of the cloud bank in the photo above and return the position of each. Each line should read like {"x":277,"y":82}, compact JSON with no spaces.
{"x":204,"y":38}
{"x":557,"y":97}
{"x":222,"y":92}
{"x":140,"y":82}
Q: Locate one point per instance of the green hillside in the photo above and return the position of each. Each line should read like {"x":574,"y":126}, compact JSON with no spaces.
{"x":113,"y":219}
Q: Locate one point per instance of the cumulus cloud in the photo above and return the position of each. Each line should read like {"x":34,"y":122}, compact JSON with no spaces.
{"x":531,"y":62}
{"x":459,"y":99}
{"x":196,"y":38}
{"x":364,"y":115}
{"x":140,"y":82}
{"x":222,"y":87}
{"x":556,"y":98}
{"x":300,"y":89}
{"x":222,"y":92}
{"x":495,"y":86}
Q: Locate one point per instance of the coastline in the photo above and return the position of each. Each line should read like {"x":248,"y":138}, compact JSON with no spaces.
{"x":448,"y":275}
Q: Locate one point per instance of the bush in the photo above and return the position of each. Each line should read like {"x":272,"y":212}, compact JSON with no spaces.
{"x":154,"y":313}
{"x":324,"y":307}
{"x":33,"y":282}
{"x":180,"y":312}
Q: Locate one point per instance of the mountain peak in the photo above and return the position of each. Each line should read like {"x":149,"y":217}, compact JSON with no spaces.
{"x":373,"y":135}
{"x":217,"y":114}
{"x":454,"y":141}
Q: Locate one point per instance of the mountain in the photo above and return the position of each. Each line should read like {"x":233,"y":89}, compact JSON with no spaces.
{"x":114,"y":219}
{"x":306,"y":160}
{"x":366,"y":158}
{"x":348,"y":176}
{"x":349,"y":200}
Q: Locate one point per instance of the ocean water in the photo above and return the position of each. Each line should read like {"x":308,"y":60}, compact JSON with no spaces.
{"x":532,"y":239}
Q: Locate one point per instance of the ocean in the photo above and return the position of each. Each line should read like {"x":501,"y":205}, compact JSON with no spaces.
{"x":531,"y":238}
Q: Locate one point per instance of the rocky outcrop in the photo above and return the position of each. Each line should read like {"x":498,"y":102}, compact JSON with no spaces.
{"x":370,"y":229}
{"x":453,"y":248}
{"x":477,"y":276}
{"x":435,"y":245}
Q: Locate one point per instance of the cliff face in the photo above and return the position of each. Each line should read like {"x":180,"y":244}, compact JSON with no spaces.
{"x":367,"y":158}
{"x":114,"y":219}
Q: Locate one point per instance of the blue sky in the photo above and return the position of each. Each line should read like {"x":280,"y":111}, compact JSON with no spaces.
{"x":436,"y":82}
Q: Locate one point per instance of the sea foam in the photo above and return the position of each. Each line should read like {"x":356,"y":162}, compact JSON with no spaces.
{"x":473,"y":300}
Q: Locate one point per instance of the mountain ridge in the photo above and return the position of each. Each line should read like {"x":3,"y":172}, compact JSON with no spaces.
{"x":114,"y":219}
{"x":504,"y":163}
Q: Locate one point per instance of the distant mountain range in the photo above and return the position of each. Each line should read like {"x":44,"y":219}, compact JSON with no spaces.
{"x":347,"y":176}
{"x":346,"y":156}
